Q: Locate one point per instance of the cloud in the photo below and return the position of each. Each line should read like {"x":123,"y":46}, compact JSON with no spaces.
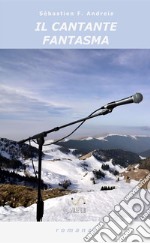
{"x":69,"y":84}
{"x":22,"y":104}
{"x":133,"y":59}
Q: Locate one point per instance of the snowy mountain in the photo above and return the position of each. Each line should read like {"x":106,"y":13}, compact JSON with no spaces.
{"x":86,"y":182}
{"x":13,"y":167}
{"x":85,"y":178}
{"x":13,"y":150}
{"x":136,"y":144}
{"x":118,"y":156}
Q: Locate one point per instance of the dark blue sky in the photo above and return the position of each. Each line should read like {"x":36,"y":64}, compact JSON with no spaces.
{"x":40,"y":89}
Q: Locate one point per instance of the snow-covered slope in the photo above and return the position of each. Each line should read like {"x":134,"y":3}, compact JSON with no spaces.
{"x":87,"y":202}
{"x":82,"y":206}
{"x":9,"y":149}
{"x":13,"y":150}
{"x":58,"y":166}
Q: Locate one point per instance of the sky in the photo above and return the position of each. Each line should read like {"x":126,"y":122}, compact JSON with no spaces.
{"x":42,"y":89}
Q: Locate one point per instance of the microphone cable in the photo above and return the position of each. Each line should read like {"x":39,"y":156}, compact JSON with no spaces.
{"x":59,"y":140}
{"x":32,"y":160}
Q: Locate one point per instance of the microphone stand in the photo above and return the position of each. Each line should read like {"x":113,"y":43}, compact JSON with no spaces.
{"x":40,"y":140}
{"x":40,"y":203}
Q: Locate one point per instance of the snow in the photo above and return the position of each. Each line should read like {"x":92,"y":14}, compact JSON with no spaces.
{"x":105,"y":138}
{"x":5,"y":154}
{"x":102,"y":138}
{"x":70,"y":217}
{"x":89,"y":203}
{"x":88,"y":138}
{"x":120,"y":135}
{"x":115,"y":134}
{"x":116,"y":167}
{"x":93,"y":206}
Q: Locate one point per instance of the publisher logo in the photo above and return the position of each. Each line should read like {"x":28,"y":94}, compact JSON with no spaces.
{"x":129,"y":221}
{"x":76,"y":205}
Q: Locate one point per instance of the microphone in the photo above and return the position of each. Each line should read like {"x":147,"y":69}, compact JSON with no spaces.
{"x":136,"y":98}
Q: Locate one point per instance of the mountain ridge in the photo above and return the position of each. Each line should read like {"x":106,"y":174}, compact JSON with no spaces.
{"x":118,"y":157}
{"x":136,"y":144}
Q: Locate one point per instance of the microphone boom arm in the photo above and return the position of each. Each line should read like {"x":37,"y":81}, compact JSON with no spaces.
{"x":55,"y":129}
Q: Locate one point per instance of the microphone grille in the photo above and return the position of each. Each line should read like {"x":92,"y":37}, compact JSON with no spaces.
{"x":137,"y":98}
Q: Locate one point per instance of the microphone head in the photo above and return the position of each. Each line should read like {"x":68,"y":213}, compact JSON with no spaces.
{"x":137,"y":98}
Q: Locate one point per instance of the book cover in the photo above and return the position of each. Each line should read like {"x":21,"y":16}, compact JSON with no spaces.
{"x":74,"y":133}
